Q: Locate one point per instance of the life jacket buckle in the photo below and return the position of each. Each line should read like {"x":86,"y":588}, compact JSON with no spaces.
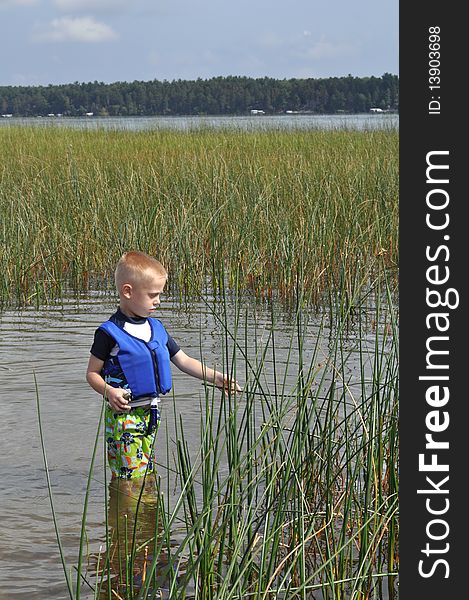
{"x":154,"y":415}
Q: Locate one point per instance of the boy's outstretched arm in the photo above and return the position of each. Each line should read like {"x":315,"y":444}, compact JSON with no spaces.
{"x":194,"y":367}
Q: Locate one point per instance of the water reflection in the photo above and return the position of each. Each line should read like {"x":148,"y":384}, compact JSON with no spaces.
{"x":136,"y":555}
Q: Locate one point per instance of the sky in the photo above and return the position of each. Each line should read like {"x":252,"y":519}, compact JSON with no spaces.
{"x":63,"y":41}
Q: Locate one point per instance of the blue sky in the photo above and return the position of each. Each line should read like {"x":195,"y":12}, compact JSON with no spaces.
{"x":63,"y":41}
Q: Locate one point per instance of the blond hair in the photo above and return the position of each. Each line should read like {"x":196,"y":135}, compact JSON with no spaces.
{"x":135,"y":267}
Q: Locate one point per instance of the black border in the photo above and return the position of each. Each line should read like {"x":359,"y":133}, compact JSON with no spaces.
{"x":423,"y":131}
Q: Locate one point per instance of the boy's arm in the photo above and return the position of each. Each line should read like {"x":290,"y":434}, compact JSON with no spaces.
{"x":194,"y":367}
{"x":115,"y":396}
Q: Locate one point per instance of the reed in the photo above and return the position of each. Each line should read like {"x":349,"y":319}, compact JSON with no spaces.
{"x":291,"y":489}
{"x":266,"y":206}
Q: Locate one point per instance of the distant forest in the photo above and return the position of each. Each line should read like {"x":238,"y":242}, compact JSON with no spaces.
{"x":216,"y":96}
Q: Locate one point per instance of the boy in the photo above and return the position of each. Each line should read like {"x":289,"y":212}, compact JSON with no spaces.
{"x":130,"y":366}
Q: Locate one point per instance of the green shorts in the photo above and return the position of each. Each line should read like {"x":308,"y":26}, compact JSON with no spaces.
{"x":130,"y":448}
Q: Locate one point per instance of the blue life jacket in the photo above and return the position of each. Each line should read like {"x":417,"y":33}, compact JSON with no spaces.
{"x":146,"y":365}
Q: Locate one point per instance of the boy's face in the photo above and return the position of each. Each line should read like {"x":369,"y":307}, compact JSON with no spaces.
{"x":143,"y":298}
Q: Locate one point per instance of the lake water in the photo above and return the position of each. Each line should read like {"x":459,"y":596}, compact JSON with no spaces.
{"x":288,"y":122}
{"x":52,"y":345}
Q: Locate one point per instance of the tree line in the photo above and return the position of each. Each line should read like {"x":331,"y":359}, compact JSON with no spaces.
{"x":234,"y":95}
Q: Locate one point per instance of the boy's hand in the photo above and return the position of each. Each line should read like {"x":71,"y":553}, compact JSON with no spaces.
{"x":226,"y":384}
{"x":118,"y":398}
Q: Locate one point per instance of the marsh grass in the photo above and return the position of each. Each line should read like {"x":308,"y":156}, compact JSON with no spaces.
{"x":291,"y":490}
{"x":266,"y":206}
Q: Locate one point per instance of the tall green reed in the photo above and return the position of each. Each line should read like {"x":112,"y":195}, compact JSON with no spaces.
{"x":260,"y":203}
{"x":306,"y":498}
{"x":73,"y":594}
{"x":291,"y":489}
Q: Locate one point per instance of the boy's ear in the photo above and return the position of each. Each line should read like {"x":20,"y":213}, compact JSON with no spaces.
{"x":127,"y":290}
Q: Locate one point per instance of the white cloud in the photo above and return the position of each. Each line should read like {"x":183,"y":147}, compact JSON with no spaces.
{"x":94,"y":6}
{"x":304,"y":47}
{"x":75,"y":29}
{"x":324,"y":49}
{"x":270,"y":40}
{"x":7,"y":3}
